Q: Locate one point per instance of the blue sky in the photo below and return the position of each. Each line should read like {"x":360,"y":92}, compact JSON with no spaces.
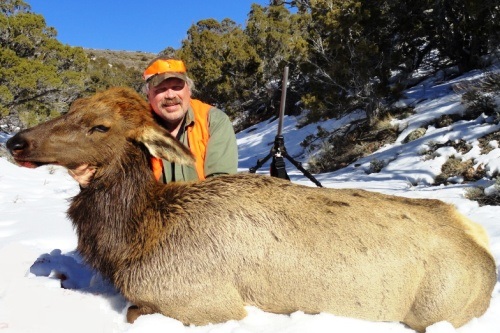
{"x":148,"y":26}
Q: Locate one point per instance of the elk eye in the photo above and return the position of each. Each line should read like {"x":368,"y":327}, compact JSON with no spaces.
{"x":99,"y":128}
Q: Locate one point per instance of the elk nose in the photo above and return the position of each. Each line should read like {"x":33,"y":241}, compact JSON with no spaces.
{"x":16,"y":144}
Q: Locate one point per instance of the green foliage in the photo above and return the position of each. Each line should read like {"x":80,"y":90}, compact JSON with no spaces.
{"x":34,"y":67}
{"x":10,"y":7}
{"x":347,"y":60}
{"x":278,"y":39}
{"x":359,"y":51}
{"x":102,"y":75}
{"x":343,"y":56}
{"x":465,"y":30}
{"x":40,"y":77}
{"x":222,"y":63}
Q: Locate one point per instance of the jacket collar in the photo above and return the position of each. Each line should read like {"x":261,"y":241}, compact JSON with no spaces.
{"x":189,"y":117}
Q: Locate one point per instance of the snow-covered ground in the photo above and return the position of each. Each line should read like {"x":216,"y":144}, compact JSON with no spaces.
{"x":37,"y":241}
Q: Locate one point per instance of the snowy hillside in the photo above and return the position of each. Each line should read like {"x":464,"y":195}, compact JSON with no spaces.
{"x":37,"y":241}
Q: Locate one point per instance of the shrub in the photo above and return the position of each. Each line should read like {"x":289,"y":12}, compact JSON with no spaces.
{"x":376,"y":165}
{"x":477,"y":103}
{"x":415,"y":134}
{"x":477,"y":194}
{"x":350,"y":143}
{"x":484,"y":142}
{"x":455,"y":167}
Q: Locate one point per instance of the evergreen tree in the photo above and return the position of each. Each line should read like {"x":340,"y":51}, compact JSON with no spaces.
{"x":343,"y":55}
{"x":101,"y":75}
{"x":34,"y":67}
{"x":278,"y":40}
{"x":222,"y":63}
{"x":465,"y":30}
{"x":346,"y":64}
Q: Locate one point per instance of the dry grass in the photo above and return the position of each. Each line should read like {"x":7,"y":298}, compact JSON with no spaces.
{"x":484,"y":142}
{"x":477,"y":194}
{"x":455,"y":167}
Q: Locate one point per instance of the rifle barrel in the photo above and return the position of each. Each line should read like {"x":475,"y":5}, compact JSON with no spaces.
{"x":284,"y":85}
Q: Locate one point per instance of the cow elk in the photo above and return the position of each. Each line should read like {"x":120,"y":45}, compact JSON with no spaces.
{"x":201,"y":251}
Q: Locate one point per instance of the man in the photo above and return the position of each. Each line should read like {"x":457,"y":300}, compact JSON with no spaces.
{"x":204,"y":129}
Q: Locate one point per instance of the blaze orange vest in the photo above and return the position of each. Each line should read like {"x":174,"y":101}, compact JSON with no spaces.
{"x":198,"y":135}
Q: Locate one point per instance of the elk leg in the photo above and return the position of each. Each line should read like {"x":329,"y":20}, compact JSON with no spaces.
{"x":135,"y":311}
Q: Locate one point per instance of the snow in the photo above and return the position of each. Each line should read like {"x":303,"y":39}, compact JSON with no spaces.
{"x":37,"y":241}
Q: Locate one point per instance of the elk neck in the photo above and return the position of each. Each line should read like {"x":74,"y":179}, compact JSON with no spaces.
{"x":109,"y":214}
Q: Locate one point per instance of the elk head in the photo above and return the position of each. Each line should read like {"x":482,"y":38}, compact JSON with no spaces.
{"x":94,"y":131}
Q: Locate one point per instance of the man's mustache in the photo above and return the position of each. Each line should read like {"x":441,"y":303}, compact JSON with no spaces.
{"x":171,"y":101}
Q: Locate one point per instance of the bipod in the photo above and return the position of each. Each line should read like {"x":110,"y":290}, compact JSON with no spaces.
{"x":278,"y":163}
{"x":278,"y":152}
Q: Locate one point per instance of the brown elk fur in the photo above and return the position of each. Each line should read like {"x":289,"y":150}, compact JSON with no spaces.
{"x":200,"y":251}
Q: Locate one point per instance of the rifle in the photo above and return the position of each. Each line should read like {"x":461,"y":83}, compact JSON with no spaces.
{"x":278,"y":151}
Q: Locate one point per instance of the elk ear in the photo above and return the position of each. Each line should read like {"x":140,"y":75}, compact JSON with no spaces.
{"x":162,"y":144}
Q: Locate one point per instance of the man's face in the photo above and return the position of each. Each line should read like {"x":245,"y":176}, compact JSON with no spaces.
{"x":170,"y":100}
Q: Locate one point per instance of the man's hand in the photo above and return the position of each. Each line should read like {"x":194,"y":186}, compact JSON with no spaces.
{"x":83,"y":174}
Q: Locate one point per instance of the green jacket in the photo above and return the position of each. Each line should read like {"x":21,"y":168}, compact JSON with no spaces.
{"x":221,"y":153}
